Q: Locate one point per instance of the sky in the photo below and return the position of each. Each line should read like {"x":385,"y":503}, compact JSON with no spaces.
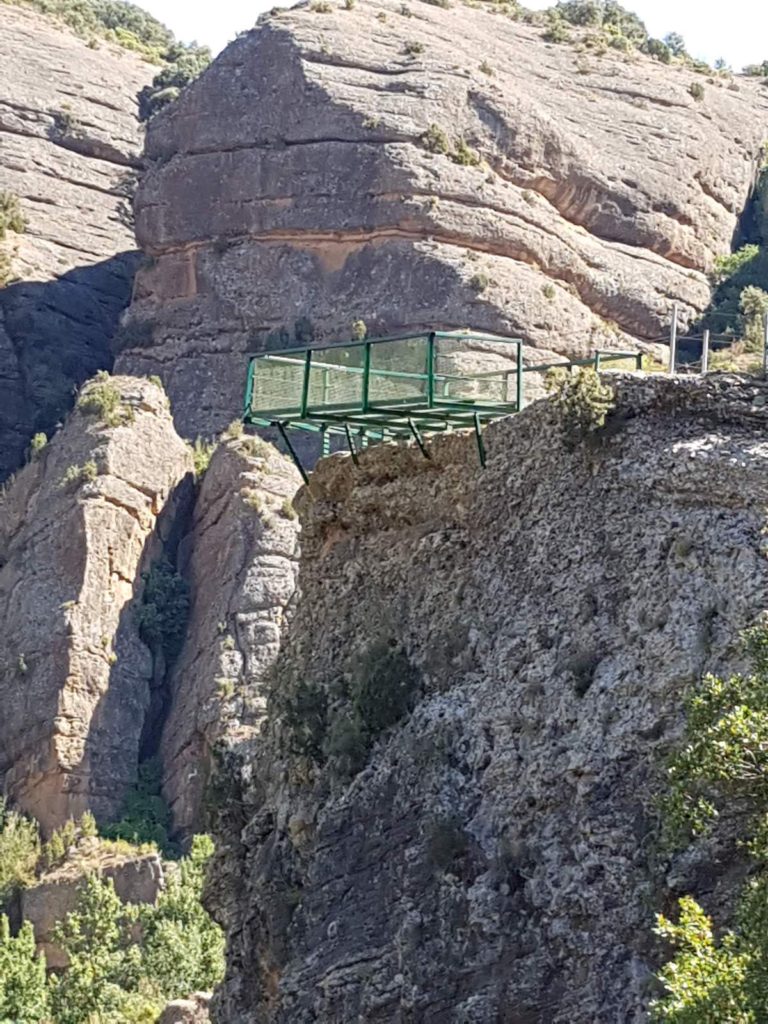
{"x":736,"y":30}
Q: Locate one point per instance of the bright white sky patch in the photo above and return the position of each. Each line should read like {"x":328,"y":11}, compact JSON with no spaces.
{"x":736,"y":30}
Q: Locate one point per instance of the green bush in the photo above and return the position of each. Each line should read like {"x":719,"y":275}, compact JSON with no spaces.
{"x":11,"y":217}
{"x":36,"y":446}
{"x":182,"y":948}
{"x":19,"y":852}
{"x":412,"y":47}
{"x":753,"y":304}
{"x":583,"y":401}
{"x":202,"y":453}
{"x":101,"y":398}
{"x":185,"y":64}
{"x":696,"y":90}
{"x":447,"y":842}
{"x":23,"y":985}
{"x":164,"y":610}
{"x":757,"y":70}
{"x":144,"y":816}
{"x":721,"y":767}
{"x":383,"y":686}
{"x":435,"y":140}
{"x":304,"y":713}
{"x":75,"y":475}
{"x":656,"y":48}
{"x":377,"y":691}
{"x":733,"y":262}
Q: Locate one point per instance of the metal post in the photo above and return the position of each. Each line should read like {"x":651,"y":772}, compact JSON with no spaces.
{"x":350,"y":443}
{"x":291,"y":450}
{"x":431,"y":370}
{"x":366,"y":373}
{"x":673,"y":340}
{"x":305,"y":384}
{"x":518,"y":387}
{"x":705,"y":353}
{"x":639,"y":361}
{"x":597,"y":360}
{"x":765,"y":346}
{"x":326,"y":440}
{"x":418,"y":438}
{"x":249,"y":389}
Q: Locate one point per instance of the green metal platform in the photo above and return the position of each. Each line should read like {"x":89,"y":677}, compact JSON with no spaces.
{"x":400,"y":387}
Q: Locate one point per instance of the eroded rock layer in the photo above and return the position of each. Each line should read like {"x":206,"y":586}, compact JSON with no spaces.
{"x":70,"y":147}
{"x":415,"y":166}
{"x":492,"y":856}
{"x":239,"y":558}
{"x":77,"y":527}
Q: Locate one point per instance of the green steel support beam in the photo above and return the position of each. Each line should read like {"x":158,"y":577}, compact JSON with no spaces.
{"x":350,"y":443}
{"x":249,"y":388}
{"x":418,"y":438}
{"x":305,"y":383}
{"x":479,"y":439}
{"x":366,"y":373}
{"x":292,"y":450}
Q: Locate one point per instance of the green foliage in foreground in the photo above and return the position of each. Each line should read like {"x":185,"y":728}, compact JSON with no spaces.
{"x":19,"y":851}
{"x":112,"y":979}
{"x":23,"y":984}
{"x":722,"y":767}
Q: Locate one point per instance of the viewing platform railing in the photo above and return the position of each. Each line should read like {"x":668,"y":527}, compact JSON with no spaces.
{"x":405,"y":386}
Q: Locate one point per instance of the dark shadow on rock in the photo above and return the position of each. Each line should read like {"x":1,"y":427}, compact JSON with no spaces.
{"x":127,"y":722}
{"x":53,"y":336}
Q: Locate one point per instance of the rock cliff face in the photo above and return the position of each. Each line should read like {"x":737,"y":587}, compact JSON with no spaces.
{"x":70,"y":148}
{"x":77,"y":527}
{"x":415,"y":166}
{"x":239,"y":558}
{"x":491,"y":855}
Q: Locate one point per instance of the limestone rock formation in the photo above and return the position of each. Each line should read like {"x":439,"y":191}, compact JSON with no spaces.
{"x":240,"y":560}
{"x":137,"y":879}
{"x":70,"y":149}
{"x":78,"y":525}
{"x":411,"y":166}
{"x":491,"y":855}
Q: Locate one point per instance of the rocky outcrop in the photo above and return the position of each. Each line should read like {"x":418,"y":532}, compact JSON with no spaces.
{"x":137,"y":879}
{"x":450,"y":813}
{"x":77,"y":527}
{"x":187,"y":1011}
{"x":70,"y":149}
{"x":414,"y":166}
{"x":240,"y":560}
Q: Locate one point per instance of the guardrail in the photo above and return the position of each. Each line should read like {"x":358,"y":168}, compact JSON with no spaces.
{"x":406,"y":385}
